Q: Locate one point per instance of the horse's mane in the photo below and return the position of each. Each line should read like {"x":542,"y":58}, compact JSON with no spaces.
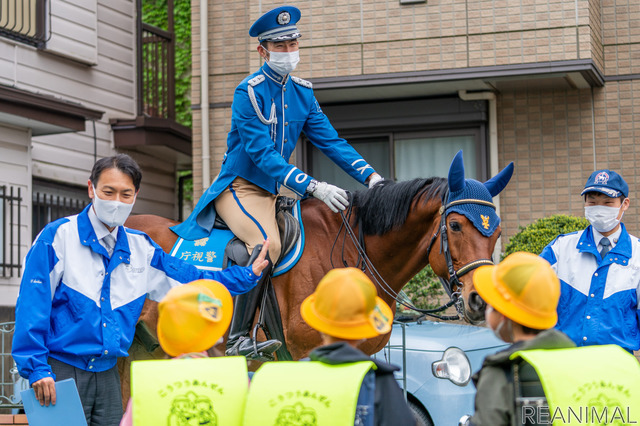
{"x":387,"y":204}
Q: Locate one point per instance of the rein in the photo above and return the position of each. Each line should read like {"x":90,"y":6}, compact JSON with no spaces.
{"x":384,"y":286}
{"x":454,"y":275}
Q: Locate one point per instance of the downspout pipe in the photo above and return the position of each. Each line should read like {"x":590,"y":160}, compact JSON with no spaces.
{"x":493,"y":144}
{"x":204,"y":92}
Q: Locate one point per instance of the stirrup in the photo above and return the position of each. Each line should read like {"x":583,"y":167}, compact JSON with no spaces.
{"x":251,"y":351}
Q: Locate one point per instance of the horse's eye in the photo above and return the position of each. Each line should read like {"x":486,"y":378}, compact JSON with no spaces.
{"x":455,"y":226}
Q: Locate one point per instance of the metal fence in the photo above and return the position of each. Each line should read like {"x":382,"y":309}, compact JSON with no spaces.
{"x":10,"y":382}
{"x":10,"y":234}
{"x":24,"y":20}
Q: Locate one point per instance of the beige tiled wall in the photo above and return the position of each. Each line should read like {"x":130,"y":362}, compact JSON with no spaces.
{"x":551,"y":135}
{"x":555,"y":144}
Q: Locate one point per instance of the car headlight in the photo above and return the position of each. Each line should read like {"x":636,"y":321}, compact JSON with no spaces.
{"x":454,"y":366}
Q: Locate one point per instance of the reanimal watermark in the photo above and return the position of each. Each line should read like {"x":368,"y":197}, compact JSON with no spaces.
{"x":581,"y":415}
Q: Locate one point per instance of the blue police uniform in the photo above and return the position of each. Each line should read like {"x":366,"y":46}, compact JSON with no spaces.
{"x":269,"y":112}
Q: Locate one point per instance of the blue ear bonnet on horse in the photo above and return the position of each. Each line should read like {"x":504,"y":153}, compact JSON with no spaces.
{"x":483,"y":217}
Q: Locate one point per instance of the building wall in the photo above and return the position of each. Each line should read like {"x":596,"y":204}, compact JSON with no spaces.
{"x":354,"y":37}
{"x":90,"y":59}
{"x":555,"y":143}
{"x":555,"y":137}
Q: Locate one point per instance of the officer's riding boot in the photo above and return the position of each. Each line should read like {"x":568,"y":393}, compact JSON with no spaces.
{"x":244,"y":311}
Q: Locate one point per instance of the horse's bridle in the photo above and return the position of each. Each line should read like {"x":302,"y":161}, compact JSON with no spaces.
{"x":444,"y":247}
{"x":454,"y":276}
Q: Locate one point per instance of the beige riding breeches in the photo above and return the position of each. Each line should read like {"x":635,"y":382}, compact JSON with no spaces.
{"x":250,"y":213}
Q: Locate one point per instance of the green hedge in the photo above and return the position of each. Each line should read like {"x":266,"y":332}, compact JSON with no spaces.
{"x":423,"y":290}
{"x":534,"y":237}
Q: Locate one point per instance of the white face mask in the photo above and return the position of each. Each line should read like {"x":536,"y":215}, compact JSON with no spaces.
{"x":111,"y":213}
{"x":602,"y":218}
{"x":504,"y":327}
{"x":283,"y":62}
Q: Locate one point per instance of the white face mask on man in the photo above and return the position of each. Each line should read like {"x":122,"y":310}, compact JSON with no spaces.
{"x":110,"y":212}
{"x":283,"y":62}
{"x":603,"y":218}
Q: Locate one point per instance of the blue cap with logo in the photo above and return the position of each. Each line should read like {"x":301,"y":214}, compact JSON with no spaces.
{"x":277,"y":24}
{"x":606,"y":182}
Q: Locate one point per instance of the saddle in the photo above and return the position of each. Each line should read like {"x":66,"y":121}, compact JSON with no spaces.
{"x":288,"y":226}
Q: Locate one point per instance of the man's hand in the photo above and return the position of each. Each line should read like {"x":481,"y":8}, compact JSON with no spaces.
{"x":373,"y":179}
{"x":331,"y":195}
{"x":261,"y":261}
{"x":45,"y":390}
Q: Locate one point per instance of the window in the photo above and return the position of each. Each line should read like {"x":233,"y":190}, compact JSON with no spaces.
{"x":430,"y":153}
{"x":53,"y":201}
{"x":375,"y":149}
{"x":404,"y":156}
{"x":10,"y":224}
{"x":405,"y":139}
{"x":23,"y":20}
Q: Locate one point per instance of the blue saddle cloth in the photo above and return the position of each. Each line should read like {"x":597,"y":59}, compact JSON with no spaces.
{"x":208,"y":252}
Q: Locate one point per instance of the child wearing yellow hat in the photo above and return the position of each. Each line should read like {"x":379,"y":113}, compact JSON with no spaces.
{"x":191,"y":319}
{"x":522,"y":294}
{"x":346,"y":310}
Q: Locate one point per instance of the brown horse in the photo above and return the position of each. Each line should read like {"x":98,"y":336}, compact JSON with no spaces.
{"x":402,"y":233}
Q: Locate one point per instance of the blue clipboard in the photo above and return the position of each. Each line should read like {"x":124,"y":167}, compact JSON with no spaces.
{"x":67,"y":411}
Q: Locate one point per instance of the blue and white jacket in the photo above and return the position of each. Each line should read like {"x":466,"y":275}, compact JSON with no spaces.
{"x":80,"y":307}
{"x":599,"y":297}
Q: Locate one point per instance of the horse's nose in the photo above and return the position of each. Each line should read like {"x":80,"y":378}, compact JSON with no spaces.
{"x":476,"y":303}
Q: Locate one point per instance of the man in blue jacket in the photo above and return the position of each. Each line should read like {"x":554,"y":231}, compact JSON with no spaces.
{"x":270,"y":109}
{"x":599,"y":269}
{"x":85,"y":280}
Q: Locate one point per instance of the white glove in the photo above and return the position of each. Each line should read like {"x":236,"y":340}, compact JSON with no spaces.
{"x":375,"y":178}
{"x":331,"y":195}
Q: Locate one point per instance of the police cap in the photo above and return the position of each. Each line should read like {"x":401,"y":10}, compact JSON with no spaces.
{"x":277,"y":24}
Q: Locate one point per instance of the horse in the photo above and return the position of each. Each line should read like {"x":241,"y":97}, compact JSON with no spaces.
{"x":403,"y":226}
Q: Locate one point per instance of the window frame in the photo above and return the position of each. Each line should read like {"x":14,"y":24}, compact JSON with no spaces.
{"x":63,"y":200}
{"x":477,"y":130}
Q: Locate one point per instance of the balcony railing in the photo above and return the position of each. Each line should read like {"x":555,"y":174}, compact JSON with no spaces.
{"x":156,"y":68}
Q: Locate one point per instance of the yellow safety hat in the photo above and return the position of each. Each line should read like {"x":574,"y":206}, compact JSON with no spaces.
{"x":346,"y":305}
{"x":523,"y":288}
{"x":192,"y":317}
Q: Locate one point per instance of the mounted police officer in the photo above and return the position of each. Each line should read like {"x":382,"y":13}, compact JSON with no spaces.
{"x":270,"y":109}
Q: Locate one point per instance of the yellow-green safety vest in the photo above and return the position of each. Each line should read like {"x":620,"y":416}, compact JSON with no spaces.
{"x":305,"y":393}
{"x":200,"y":391}
{"x":590,"y":385}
